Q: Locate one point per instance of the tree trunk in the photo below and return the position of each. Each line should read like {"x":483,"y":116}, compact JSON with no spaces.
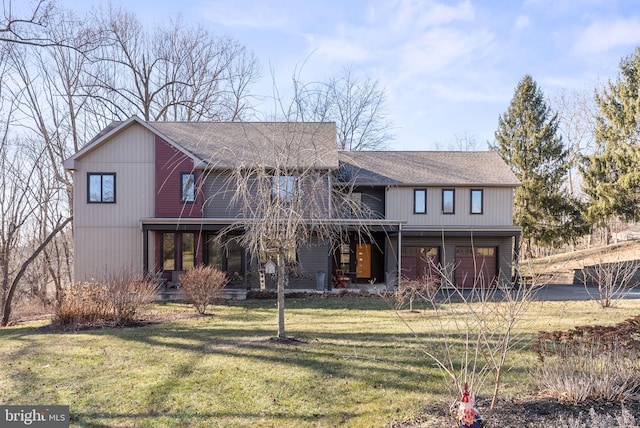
{"x":6,"y":313}
{"x":282,"y":271}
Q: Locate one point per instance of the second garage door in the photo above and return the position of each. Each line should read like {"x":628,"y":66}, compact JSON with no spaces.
{"x":476,"y":266}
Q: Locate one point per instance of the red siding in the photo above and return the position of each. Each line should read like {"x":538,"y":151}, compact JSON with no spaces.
{"x":170,"y":163}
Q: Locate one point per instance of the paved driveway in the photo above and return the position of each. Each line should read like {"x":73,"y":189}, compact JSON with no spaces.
{"x":559,"y":292}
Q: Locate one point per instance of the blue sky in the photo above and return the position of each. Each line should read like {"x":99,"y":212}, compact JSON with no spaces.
{"x":449,"y":68}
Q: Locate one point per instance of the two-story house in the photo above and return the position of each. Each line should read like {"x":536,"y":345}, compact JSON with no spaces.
{"x":155,"y":197}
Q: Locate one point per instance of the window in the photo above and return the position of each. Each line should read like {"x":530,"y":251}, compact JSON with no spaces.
{"x":101,"y":187}
{"x":420,"y":201}
{"x":188,"y":251}
{"x":476,"y":201}
{"x":356,"y":201}
{"x":168,"y":251}
{"x":188,"y":187}
{"x":448,"y":201}
{"x":283,"y":187}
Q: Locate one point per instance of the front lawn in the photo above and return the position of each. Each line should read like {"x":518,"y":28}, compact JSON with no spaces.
{"x":355,"y":363}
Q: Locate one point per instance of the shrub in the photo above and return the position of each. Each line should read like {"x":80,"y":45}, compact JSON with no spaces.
{"x":411,"y":289}
{"x":202,"y":286}
{"x":595,"y":420}
{"x":115,"y":300}
{"x":583,"y":373}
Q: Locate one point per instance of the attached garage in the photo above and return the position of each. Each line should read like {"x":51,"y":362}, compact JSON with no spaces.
{"x":420,"y":262}
{"x":476,"y":266}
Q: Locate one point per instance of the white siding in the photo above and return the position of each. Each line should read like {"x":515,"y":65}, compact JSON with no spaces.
{"x":497,"y":208}
{"x":108,"y":237}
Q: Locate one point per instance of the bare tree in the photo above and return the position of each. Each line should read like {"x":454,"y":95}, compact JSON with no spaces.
{"x":286,"y":198}
{"x":577,"y":112}
{"x":174,"y":73}
{"x":30,"y":24}
{"x":23,"y":196}
{"x":356,"y":105}
{"x":613,"y":277}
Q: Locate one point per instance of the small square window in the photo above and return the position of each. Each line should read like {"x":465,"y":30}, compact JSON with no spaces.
{"x":283,"y":187}
{"x":448,"y":201}
{"x":476,"y":201}
{"x":187,"y":187}
{"x":420,"y":201}
{"x":101,"y":187}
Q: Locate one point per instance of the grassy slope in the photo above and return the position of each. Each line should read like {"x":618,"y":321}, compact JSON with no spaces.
{"x":562,"y":265}
{"x":358,"y":365}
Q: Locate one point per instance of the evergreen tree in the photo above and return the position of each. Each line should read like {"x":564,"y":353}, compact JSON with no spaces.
{"x":528,"y":141}
{"x":611,"y":177}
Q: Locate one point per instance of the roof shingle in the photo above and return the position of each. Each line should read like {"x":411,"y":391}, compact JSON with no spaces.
{"x":427,"y":168}
{"x":225,"y":145}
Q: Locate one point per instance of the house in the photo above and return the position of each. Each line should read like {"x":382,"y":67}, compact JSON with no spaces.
{"x":155,"y":197}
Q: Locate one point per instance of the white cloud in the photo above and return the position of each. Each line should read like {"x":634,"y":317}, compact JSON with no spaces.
{"x":522,"y":23}
{"x":602,"y":36}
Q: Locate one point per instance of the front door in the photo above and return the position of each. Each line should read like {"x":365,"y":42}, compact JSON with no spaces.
{"x":363,"y":260}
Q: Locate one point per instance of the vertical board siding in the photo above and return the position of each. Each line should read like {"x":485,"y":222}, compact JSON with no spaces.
{"x":373,"y":198}
{"x":497,"y":207}
{"x":107,"y":237}
{"x":170,"y":164}
{"x":218,"y":195}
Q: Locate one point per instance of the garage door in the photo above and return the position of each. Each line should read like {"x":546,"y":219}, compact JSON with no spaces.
{"x":420,"y":262}
{"x":476,"y":266}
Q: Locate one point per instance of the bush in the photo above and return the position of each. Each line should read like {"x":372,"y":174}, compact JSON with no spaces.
{"x":202,"y":286}
{"x":423,"y":289}
{"x":114,"y":301}
{"x":585,"y":373}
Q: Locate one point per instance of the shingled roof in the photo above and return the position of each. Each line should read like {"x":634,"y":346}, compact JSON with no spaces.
{"x":428,"y":168}
{"x":237,"y":144}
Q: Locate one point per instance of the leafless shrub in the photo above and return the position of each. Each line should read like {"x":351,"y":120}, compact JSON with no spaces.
{"x":81,"y":303}
{"x":115,"y":300}
{"x":422,"y":289}
{"x":477,"y":325}
{"x":202,"y":286}
{"x":126,"y":294}
{"x":583,"y":373}
{"x":614,"y":279}
{"x":595,"y":420}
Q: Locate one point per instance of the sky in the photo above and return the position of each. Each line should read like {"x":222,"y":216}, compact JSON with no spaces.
{"x":448,"y":68}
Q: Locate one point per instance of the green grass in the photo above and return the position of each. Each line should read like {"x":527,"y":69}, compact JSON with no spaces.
{"x":357,"y":364}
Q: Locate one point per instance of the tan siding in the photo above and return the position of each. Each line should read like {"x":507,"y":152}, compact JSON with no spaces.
{"x":106,"y":250}
{"x":497,"y":207}
{"x":109,"y":235}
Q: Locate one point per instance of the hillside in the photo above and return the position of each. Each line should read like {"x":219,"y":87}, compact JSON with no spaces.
{"x":560,"y":268}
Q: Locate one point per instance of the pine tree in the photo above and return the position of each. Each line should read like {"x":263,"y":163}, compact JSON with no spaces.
{"x":528,"y":141}
{"x":611,"y":177}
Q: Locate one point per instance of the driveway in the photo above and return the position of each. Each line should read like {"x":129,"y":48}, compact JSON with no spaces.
{"x":559,"y":292}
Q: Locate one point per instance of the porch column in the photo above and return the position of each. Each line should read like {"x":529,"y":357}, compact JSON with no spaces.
{"x":145,"y":250}
{"x":399,"y":255}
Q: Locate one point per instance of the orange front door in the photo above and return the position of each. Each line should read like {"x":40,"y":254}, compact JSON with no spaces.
{"x":363,"y":261}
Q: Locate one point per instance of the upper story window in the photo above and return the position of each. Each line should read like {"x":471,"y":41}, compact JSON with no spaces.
{"x":356,"y":203}
{"x":420,"y":201}
{"x":283,"y":187}
{"x":476,"y":201}
{"x":188,"y":187}
{"x":448,"y":201}
{"x":101,"y":187}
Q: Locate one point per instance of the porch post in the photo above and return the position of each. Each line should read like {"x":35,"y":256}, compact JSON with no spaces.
{"x":145,"y":250}
{"x":399,"y":255}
